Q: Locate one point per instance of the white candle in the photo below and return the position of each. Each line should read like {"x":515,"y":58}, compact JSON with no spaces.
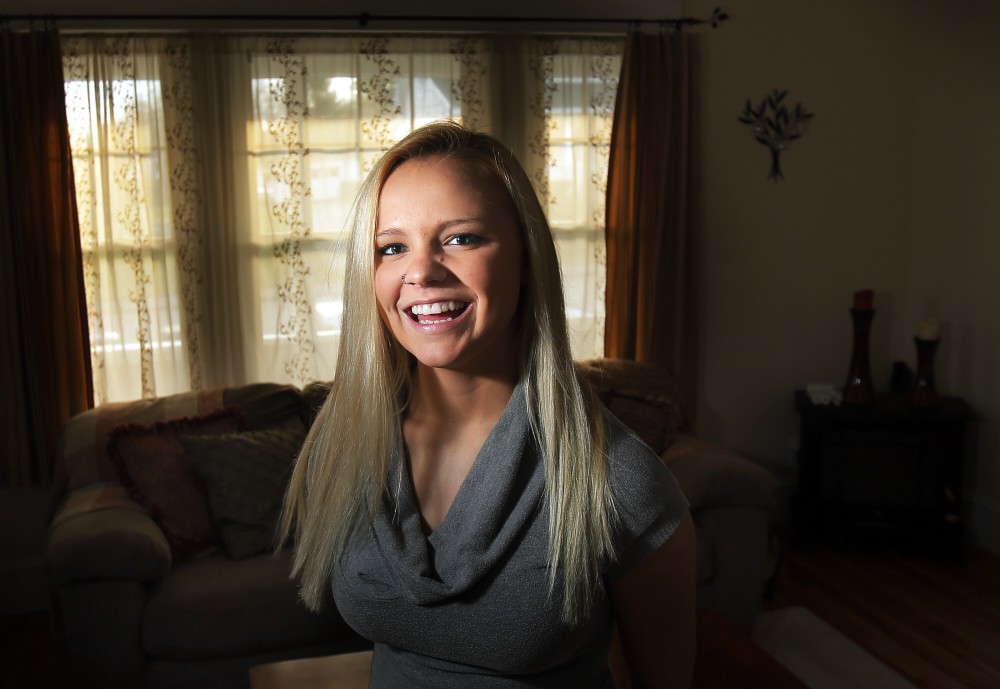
{"x":928,"y":329}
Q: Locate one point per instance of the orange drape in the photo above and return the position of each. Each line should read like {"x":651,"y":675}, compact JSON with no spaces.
{"x":652,"y":209}
{"x":44,"y":347}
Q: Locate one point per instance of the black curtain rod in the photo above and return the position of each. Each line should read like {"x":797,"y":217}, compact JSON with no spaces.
{"x":363,"y":20}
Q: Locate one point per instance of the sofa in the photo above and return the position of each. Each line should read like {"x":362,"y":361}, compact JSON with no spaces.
{"x":159,"y":554}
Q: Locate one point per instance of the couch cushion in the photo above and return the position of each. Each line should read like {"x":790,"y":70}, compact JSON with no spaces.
{"x":705,"y":557}
{"x":245,"y":475}
{"x":718,"y":478}
{"x":313,"y":397}
{"x":265,"y":405}
{"x":641,"y":396}
{"x":153,"y":465}
{"x":213,"y":606}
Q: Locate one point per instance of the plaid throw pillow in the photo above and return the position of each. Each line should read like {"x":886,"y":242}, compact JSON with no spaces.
{"x":245,"y":475}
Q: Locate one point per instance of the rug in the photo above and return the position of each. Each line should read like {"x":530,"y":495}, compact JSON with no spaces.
{"x":819,"y":655}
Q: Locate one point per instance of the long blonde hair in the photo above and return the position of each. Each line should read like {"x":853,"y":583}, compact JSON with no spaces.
{"x":343,"y":468}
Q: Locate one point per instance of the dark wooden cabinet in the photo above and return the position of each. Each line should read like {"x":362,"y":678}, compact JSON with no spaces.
{"x":885,"y":473}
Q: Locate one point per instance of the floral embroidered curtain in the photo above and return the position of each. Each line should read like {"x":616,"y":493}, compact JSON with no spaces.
{"x":215,"y":175}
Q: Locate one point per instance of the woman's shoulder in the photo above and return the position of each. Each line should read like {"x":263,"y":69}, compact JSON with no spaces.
{"x":648,"y":502}
{"x":624,"y":447}
{"x":637,"y":475}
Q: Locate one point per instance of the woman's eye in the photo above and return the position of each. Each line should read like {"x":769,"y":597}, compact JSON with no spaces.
{"x":464,"y":239}
{"x":389,"y":249}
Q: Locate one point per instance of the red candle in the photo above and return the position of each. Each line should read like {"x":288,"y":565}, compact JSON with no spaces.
{"x":863,"y":300}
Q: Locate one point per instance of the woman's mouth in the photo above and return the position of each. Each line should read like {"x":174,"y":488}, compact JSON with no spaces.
{"x":437,"y":312}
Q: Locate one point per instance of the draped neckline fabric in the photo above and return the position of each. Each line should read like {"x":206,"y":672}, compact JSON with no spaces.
{"x":498,"y":499}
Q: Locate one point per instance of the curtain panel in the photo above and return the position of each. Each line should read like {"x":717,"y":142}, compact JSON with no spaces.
{"x":44,"y":342}
{"x":652,"y":209}
{"x":215,"y":175}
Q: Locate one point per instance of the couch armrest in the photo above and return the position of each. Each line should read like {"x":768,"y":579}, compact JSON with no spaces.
{"x":735,"y":561}
{"x":712,"y":476}
{"x":116,"y":543}
{"x":731,"y":500}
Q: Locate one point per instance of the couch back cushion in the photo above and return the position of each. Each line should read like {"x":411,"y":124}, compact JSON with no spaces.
{"x":641,"y":396}
{"x":265,"y":405}
{"x":84,"y":446}
{"x":313,"y":396}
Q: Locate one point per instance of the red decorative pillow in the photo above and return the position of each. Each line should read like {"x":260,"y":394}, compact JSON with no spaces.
{"x":155,"y":469}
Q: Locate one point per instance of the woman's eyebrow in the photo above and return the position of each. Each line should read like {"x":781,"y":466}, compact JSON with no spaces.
{"x":388,"y":232}
{"x":392,"y":230}
{"x":459,"y":222}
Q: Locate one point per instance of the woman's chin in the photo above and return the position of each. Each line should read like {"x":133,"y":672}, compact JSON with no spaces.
{"x":465,"y":362}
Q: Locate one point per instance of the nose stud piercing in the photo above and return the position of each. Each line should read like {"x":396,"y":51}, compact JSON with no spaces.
{"x":402,"y":278}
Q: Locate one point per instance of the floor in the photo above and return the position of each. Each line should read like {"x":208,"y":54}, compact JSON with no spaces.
{"x":32,"y":656}
{"x":935,"y":622}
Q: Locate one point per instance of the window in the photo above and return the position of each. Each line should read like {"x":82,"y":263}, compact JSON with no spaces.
{"x":215,"y":177}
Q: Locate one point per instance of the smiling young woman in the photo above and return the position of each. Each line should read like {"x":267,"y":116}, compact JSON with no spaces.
{"x":449,"y":230}
{"x":477,"y":512}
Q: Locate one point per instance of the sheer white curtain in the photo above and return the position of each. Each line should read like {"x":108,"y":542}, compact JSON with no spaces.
{"x":215,"y":176}
{"x":134,"y":253}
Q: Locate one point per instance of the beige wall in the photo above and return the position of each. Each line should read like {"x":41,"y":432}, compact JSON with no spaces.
{"x":895,"y":187}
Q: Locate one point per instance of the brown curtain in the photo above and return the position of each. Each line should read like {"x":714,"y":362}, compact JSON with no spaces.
{"x":45,"y":357}
{"x":652,"y":209}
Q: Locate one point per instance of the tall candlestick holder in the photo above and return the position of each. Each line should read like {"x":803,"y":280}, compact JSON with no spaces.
{"x":859,"y":389}
{"x":924,"y":392}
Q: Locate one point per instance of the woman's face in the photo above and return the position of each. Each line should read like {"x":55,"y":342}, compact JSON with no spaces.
{"x":450,"y":229}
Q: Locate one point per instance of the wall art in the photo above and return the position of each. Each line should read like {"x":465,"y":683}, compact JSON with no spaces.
{"x":775,"y":126}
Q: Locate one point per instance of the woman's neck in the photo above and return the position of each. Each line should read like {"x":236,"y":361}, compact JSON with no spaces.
{"x":458,"y":398}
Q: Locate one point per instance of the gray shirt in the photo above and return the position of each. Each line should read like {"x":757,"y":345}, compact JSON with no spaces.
{"x":469,"y":606}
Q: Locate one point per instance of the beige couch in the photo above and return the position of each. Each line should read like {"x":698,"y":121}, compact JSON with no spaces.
{"x":137,"y":613}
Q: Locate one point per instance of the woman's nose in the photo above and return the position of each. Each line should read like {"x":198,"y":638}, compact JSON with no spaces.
{"x":425,"y":266}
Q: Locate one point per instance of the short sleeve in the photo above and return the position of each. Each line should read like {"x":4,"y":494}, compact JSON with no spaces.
{"x":648,"y":501}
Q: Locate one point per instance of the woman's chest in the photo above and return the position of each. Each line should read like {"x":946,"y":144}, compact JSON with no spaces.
{"x":438,"y":461}
{"x":509,"y":620}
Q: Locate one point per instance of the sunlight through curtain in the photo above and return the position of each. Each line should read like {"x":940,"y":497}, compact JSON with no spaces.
{"x":216,"y":175}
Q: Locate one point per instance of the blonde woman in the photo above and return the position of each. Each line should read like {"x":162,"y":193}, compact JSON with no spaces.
{"x":476,"y":511}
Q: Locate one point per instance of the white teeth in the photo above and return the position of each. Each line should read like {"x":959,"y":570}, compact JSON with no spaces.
{"x":436,"y":307}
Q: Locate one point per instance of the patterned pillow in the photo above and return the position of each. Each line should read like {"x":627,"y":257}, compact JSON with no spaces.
{"x":245,"y":475}
{"x":153,"y":466}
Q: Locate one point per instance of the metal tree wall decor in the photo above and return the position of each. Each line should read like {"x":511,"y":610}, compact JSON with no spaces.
{"x":775,"y":126}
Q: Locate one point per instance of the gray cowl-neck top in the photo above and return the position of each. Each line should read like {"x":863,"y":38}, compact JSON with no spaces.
{"x":469,"y":606}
